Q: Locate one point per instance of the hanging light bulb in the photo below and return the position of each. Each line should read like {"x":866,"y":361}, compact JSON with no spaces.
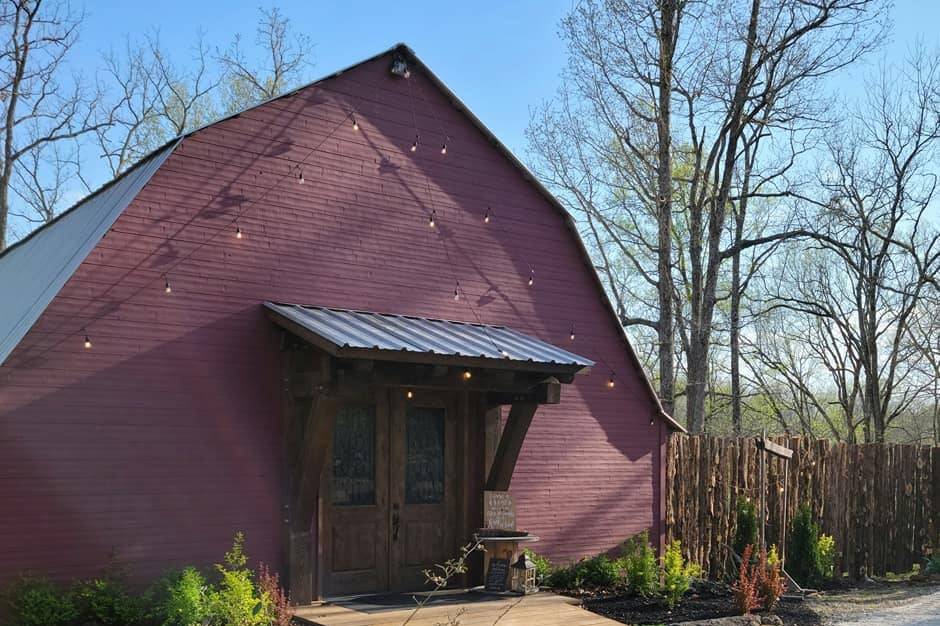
{"x":431,"y":218}
{"x":610,"y":381}
{"x":457,"y":291}
{"x":238,"y":232}
{"x":486,"y":216}
{"x":531,"y":277}
{"x":414,"y":146}
{"x":444,"y":148}
{"x":571,"y":336}
{"x":87,"y":342}
{"x":166,"y":285}
{"x":467,"y":375}
{"x":355,"y":124}
{"x":409,"y":394}
{"x":300,"y":177}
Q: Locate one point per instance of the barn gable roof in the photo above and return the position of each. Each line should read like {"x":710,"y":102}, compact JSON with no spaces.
{"x":33,"y":270}
{"x":36,"y":268}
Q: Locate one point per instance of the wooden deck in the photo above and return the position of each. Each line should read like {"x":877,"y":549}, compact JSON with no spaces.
{"x":541,"y":609}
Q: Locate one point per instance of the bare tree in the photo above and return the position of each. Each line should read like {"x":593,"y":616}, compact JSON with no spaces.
{"x":40,"y":105}
{"x":285,"y":57}
{"x":744,"y":75}
{"x":876,"y":187}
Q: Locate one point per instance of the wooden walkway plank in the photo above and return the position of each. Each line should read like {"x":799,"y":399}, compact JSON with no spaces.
{"x":544,"y":608}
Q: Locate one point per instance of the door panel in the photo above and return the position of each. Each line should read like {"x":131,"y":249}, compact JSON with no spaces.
{"x":389,"y":493}
{"x":422,"y":486}
{"x":355,"y":489}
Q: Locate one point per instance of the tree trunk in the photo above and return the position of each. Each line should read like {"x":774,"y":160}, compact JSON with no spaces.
{"x":736,"y":331}
{"x":666,"y":323}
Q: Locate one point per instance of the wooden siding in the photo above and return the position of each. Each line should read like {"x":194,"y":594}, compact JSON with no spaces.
{"x":154,"y":446}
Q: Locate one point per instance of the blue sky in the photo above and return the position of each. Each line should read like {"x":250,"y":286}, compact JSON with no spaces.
{"x":500,"y":57}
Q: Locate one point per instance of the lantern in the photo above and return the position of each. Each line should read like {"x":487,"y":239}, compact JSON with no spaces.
{"x":523,"y":575}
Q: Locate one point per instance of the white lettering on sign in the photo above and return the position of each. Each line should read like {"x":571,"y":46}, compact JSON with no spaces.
{"x":499,"y":510}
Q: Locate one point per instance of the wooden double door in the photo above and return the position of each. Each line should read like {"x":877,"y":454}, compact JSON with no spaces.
{"x":389,"y":494}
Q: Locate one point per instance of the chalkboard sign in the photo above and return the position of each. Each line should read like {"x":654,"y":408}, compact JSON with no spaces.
{"x":497,"y":575}
{"x":499,"y":510}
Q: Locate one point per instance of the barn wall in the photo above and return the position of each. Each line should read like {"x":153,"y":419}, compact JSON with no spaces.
{"x":154,"y":446}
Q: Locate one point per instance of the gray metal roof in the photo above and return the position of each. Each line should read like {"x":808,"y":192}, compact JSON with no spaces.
{"x":350,"y":331}
{"x":33,"y":270}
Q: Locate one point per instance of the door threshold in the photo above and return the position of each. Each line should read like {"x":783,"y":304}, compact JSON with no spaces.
{"x":376,"y":597}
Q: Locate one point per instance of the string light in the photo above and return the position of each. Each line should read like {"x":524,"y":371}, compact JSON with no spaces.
{"x":87,"y":342}
{"x":431,"y":218}
{"x":610,"y":381}
{"x":444,"y":148}
{"x":486,"y":216}
{"x":457,"y":291}
{"x":571,"y":335}
{"x":166,"y":285}
{"x":355,"y":124}
{"x":238,"y":231}
{"x":414,"y":146}
{"x":300,"y":178}
{"x":467,"y":375}
{"x":409,"y":394}
{"x":531,"y":277}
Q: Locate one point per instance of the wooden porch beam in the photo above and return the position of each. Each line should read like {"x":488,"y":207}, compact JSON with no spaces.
{"x":510,"y":443}
{"x":548,"y":392}
{"x":317,"y":428}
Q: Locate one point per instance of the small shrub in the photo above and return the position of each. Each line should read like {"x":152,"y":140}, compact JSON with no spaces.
{"x":561,"y":578}
{"x":677,"y":574}
{"x":746,"y":588}
{"x":932,"y":563}
{"x":543,"y":567}
{"x":827,"y":556}
{"x":745,"y":533}
{"x":38,"y":602}
{"x":179,"y":598}
{"x":772,"y":583}
{"x":236,"y":602}
{"x":279,"y":611}
{"x":803,"y":559}
{"x":106,"y":602}
{"x":638,"y":562}
{"x":598,"y":571}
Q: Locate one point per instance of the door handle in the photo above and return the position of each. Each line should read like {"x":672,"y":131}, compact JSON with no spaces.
{"x":396,"y":524}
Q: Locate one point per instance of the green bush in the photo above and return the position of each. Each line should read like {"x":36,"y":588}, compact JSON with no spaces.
{"x":38,"y":602}
{"x":179,"y":598}
{"x":677,"y":574}
{"x":543,"y":567}
{"x":803,"y":558}
{"x":599,"y":571}
{"x":827,"y":556}
{"x":236,"y":601}
{"x":638,"y":562}
{"x":745,"y":533}
{"x":932,"y":565}
{"x":106,"y":602}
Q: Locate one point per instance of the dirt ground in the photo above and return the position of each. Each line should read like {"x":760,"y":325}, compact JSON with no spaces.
{"x":895,"y":605}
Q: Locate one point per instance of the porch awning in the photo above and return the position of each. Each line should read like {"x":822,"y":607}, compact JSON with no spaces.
{"x":368,"y":335}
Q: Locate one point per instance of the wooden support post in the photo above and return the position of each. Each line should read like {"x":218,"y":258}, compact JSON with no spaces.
{"x":510,"y":443}
{"x":317,"y":429}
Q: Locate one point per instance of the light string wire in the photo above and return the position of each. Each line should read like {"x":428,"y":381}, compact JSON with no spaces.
{"x":227,"y":227}
{"x":246,"y":207}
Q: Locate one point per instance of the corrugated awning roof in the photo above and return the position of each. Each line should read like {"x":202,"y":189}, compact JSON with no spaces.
{"x":364,"y":334}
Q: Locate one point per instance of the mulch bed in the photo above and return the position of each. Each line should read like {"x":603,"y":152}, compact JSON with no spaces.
{"x":705,"y":601}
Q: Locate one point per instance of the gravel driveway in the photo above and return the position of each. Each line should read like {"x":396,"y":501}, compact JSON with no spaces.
{"x":922,"y":610}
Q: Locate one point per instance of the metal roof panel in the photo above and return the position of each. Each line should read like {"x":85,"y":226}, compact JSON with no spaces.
{"x":388,"y":332}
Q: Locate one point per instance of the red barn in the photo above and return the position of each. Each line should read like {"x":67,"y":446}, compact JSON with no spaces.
{"x":329,"y":321}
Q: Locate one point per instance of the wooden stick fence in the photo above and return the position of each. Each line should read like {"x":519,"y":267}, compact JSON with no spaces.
{"x":881,"y":502}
